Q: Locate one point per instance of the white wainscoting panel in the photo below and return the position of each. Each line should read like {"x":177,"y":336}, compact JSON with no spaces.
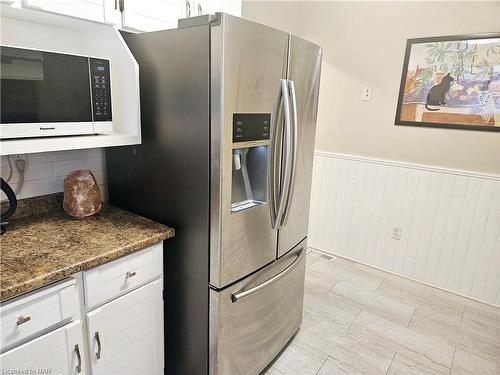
{"x":450,"y":221}
{"x":45,"y":172}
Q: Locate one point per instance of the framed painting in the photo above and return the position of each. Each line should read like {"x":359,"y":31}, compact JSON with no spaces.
{"x":451,"y":82}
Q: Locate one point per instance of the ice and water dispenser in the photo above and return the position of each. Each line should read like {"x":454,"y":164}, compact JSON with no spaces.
{"x":251,"y":132}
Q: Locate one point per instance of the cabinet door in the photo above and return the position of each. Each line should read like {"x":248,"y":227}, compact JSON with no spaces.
{"x":204,"y":7}
{"x":126,"y":334}
{"x":88,"y":9}
{"x":112,"y":14}
{"x":152,"y":15}
{"x":201,"y":7}
{"x":57,"y":352}
{"x":232,"y":7}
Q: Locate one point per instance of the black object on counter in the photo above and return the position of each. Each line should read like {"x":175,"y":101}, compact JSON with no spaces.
{"x":11,"y":196}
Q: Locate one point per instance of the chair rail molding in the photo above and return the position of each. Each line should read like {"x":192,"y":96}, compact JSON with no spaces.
{"x":368,"y":159}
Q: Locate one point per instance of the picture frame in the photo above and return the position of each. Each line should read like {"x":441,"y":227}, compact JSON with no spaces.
{"x":451,"y":82}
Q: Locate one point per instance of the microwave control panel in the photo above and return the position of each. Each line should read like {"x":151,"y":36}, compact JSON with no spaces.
{"x":101,"y":89}
{"x":249,"y":127}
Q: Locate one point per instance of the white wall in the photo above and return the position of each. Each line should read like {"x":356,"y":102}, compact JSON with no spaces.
{"x":45,"y":171}
{"x":450,"y":221}
{"x":363,"y":45}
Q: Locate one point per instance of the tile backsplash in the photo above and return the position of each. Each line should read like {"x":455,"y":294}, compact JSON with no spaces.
{"x":45,"y":172}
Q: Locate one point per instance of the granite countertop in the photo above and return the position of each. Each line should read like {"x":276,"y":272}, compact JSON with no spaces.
{"x":39,"y":249}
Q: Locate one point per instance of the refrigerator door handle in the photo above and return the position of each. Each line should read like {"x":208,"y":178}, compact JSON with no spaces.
{"x":235,"y":297}
{"x":276,"y":195}
{"x":293,"y":156}
{"x":286,"y":164}
{"x":271,"y":166}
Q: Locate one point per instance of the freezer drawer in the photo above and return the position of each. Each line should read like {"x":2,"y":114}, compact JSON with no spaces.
{"x":251,"y":321}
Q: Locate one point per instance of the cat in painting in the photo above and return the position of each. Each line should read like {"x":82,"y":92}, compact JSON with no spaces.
{"x":437,"y":93}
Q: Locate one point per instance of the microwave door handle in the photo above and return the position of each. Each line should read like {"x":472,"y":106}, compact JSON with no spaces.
{"x":293,"y":156}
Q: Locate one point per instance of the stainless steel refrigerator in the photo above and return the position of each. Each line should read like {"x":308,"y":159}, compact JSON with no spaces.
{"x":228,"y":112}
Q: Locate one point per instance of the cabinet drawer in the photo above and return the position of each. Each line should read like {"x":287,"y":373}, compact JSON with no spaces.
{"x":57,"y":352}
{"x":112,"y":279}
{"x":248,"y":331}
{"x":31,"y":314}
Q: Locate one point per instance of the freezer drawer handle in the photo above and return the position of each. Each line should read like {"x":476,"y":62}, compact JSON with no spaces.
{"x":235,"y":297}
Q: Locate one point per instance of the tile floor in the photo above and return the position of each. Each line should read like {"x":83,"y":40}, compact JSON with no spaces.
{"x":359,"y":320}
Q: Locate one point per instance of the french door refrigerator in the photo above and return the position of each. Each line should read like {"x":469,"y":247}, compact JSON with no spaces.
{"x":228,"y":112}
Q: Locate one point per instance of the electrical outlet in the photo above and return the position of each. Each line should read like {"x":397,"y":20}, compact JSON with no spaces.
{"x":396,"y":233}
{"x":21,"y":156}
{"x":366,"y":94}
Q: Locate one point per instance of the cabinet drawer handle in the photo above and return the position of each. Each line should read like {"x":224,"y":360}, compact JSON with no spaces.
{"x":129,"y":275}
{"x":98,"y":340}
{"x":79,"y":365}
{"x":23,"y":319}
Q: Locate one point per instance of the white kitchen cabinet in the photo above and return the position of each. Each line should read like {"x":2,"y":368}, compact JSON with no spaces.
{"x":112,"y":13}
{"x":88,"y":9}
{"x":123,"y":328}
{"x":151,"y":15}
{"x":131,"y":15}
{"x":126,"y":335}
{"x":58,"y":352}
{"x":201,"y":7}
{"x":36,"y":312}
{"x":232,"y":7}
{"x":113,"y":279}
{"x":49,"y":31}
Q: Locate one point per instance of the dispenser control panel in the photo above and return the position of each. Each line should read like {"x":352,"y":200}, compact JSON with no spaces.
{"x":248,"y":127}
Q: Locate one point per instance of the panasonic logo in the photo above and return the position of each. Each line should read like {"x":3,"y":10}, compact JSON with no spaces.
{"x":47,"y":128}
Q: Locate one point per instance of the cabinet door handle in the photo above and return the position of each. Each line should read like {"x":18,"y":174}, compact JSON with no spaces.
{"x":23,"y":319}
{"x":188,"y":9}
{"x":200,"y":10}
{"x":79,"y":365}
{"x":128,"y":275}
{"x":98,"y":340}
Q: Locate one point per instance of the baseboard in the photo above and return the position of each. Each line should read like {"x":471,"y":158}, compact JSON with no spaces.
{"x":404,"y":277}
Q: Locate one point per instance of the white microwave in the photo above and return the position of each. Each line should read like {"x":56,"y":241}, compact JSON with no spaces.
{"x":53,"y":94}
